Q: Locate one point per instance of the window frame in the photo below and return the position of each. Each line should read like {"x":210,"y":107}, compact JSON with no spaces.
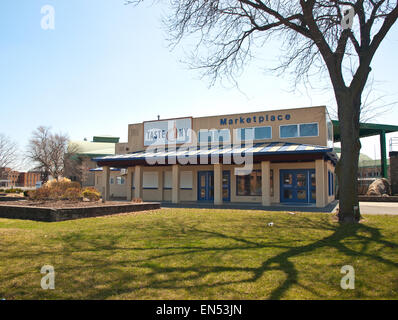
{"x":186,"y":172}
{"x":155,"y":174}
{"x":298,"y":130}
{"x":238,"y":132}
{"x":247,"y":175}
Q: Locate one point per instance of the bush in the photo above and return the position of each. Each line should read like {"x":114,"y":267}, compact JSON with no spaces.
{"x":137,"y":200}
{"x":61,"y":185}
{"x":73,"y":194}
{"x":26,"y":193}
{"x":13,"y":190}
{"x":42,"y":193}
{"x":91,"y":194}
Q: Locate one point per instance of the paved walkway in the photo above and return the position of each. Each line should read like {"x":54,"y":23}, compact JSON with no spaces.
{"x":390,"y":208}
{"x":379,"y":208}
{"x":252,"y":206}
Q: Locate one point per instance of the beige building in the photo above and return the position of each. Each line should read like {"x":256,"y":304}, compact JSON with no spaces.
{"x":77,"y":168}
{"x":271,"y":157}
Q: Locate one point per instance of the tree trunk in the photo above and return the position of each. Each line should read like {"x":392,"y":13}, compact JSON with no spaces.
{"x":349,"y":112}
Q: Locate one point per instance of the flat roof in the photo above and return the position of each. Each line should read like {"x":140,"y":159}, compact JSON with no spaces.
{"x":365,"y":129}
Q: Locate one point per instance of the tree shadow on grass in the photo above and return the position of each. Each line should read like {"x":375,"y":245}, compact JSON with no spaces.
{"x":193,"y":277}
{"x":359,"y":233}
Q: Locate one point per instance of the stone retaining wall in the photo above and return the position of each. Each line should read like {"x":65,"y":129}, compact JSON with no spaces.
{"x":53,"y":215}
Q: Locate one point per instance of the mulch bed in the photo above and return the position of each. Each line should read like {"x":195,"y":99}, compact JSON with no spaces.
{"x":61,"y":204}
{"x":52,"y":211}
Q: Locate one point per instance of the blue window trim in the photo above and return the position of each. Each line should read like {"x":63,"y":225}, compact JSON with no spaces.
{"x":331,"y":183}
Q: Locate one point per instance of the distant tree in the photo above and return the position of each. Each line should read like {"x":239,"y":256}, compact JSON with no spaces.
{"x":8,"y":152}
{"x":317,"y":36}
{"x":49,"y":152}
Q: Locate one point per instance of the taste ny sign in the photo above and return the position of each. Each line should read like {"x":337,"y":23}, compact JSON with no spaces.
{"x":163,"y":132}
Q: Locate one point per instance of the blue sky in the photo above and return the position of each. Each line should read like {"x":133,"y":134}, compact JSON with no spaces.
{"x":106,"y":65}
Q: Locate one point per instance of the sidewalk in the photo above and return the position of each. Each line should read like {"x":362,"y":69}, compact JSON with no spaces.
{"x":390,"y":208}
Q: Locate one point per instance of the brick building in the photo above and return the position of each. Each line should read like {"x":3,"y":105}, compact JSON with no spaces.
{"x":8,"y":177}
{"x":28,"y":179}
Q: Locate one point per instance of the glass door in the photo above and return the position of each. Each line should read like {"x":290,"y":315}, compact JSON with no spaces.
{"x":297,"y":186}
{"x":205,"y":186}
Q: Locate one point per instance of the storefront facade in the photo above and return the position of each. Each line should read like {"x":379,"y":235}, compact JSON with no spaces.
{"x":271,"y":157}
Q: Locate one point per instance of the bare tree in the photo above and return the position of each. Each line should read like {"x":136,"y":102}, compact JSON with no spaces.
{"x":375,"y":102}
{"x":8,"y":151}
{"x":48,"y":152}
{"x":318,"y":37}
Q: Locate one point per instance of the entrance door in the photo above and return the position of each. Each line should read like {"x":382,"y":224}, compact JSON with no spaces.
{"x":297,"y":186}
{"x":206,"y":186}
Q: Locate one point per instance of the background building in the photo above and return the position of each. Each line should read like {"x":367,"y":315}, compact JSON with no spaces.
{"x":28,"y":179}
{"x":11,"y":178}
{"x":78,"y":168}
{"x":8,"y":177}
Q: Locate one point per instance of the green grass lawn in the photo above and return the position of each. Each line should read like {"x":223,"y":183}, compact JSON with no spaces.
{"x":200,"y":254}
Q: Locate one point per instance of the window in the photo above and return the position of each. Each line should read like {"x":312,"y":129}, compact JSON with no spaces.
{"x":150,"y":180}
{"x":186,"y":180}
{"x":204,"y":136}
{"x":308,"y":130}
{"x":214,"y":136}
{"x":262,"y":133}
{"x":111,"y":180}
{"x":271,"y":182}
{"x":289,"y":131}
{"x":329,"y":126}
{"x":119,"y":180}
{"x":331,"y":183}
{"x":167,"y":184}
{"x":299,"y":130}
{"x":256,"y":133}
{"x":249,"y":185}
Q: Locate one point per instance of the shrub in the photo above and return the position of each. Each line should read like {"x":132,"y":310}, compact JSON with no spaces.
{"x":42,"y":193}
{"x":13,"y":190}
{"x":137,"y":200}
{"x":56,"y":192}
{"x":26,"y":193}
{"x":61,"y":189}
{"x":91,"y":194}
{"x":73,"y":194}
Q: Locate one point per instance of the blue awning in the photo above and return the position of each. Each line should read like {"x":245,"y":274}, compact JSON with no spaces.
{"x":258,"y":149}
